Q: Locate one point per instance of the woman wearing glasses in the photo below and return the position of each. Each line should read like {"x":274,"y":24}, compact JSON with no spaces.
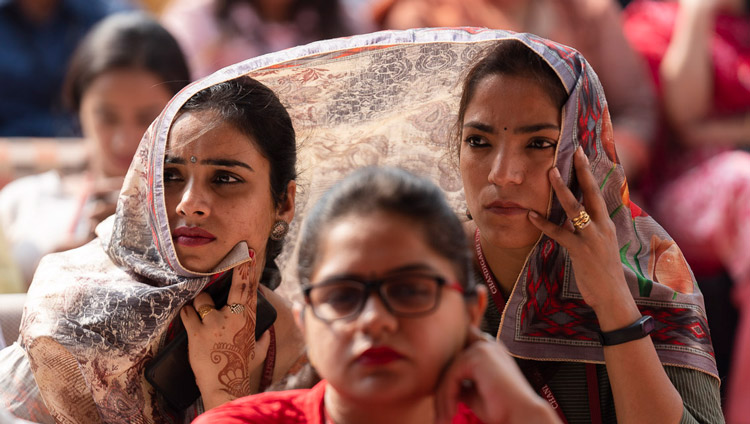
{"x":391,"y":317}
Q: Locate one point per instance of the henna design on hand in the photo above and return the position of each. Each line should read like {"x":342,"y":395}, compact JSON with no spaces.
{"x":235,"y":376}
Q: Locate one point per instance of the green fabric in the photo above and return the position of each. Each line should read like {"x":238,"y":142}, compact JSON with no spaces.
{"x":699,"y":391}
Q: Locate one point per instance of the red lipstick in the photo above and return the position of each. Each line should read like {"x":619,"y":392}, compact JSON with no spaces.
{"x":506,"y":208}
{"x":192,"y":236}
{"x":379,"y":356}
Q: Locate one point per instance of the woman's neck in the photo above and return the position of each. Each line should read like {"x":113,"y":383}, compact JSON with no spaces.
{"x":342,"y":410}
{"x":505,"y":263}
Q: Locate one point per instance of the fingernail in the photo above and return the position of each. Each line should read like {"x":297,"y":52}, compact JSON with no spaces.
{"x":582,"y":154}
{"x":533,"y":214}
{"x":554,"y":172}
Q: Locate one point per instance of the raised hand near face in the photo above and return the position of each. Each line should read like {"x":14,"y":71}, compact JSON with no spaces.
{"x":487,"y":380}
{"x":222,"y":348}
{"x":592,"y":243}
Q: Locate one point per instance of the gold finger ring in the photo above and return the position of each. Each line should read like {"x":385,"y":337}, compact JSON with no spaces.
{"x":236,"y":308}
{"x":204,"y":310}
{"x":582,"y":220}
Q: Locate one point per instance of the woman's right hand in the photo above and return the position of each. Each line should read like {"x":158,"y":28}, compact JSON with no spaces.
{"x":487,"y":379}
{"x":222,"y":348}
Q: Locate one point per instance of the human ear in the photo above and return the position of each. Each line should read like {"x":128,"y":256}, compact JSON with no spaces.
{"x":477,"y":307}
{"x":298,"y":311}
{"x":285,"y":210}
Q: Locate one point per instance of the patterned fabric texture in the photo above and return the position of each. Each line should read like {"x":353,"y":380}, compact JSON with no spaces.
{"x":545,"y":316}
{"x":96,"y":315}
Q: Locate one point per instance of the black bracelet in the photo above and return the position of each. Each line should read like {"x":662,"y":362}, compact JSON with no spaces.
{"x":641,"y":328}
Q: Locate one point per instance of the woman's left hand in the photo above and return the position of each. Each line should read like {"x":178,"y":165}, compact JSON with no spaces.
{"x":222,"y":348}
{"x":486,"y":379}
{"x":592,"y":247}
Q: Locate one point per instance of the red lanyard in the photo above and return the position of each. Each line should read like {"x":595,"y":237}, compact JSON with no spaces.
{"x":489,"y":279}
{"x":268,"y":365}
{"x":539,"y":381}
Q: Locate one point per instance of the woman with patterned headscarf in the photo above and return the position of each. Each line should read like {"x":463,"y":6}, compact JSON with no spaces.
{"x":588,"y":291}
{"x":111,"y":331}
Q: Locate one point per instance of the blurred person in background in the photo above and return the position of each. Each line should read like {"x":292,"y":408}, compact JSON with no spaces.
{"x":699,"y":55}
{"x":38,"y":38}
{"x":10,"y":276}
{"x":217,"y":33}
{"x":121,"y":76}
{"x":593,"y":27}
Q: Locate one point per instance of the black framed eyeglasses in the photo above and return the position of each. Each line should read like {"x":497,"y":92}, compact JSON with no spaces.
{"x":404,"y":295}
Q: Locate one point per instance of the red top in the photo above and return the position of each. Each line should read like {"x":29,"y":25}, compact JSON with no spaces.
{"x":289,"y":407}
{"x":648,"y":26}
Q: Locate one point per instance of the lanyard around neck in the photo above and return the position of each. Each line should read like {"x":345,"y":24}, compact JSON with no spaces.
{"x":492,"y":285}
{"x":539,"y":381}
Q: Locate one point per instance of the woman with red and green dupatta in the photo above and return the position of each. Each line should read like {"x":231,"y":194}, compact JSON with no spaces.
{"x":589,"y":293}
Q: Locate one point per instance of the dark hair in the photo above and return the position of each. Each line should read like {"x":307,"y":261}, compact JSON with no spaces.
{"x":396,"y":191}
{"x":513,"y":58}
{"x":257,"y":112}
{"x":127,"y":40}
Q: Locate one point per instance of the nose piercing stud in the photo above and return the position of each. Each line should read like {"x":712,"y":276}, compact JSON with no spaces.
{"x":193,"y":159}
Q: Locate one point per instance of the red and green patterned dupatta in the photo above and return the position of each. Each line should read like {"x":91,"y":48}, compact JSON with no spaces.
{"x":545,"y":316}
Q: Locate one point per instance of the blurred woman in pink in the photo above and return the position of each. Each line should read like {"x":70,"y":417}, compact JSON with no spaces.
{"x":218,"y":33}
{"x":699,"y":54}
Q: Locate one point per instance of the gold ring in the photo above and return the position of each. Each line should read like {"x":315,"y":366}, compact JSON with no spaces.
{"x":582,"y":220}
{"x":204,"y":310}
{"x":236,"y":308}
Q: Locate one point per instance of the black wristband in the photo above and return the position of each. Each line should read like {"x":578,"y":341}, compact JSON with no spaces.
{"x":637,"y":330}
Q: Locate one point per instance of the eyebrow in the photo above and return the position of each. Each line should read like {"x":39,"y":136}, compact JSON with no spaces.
{"x":405,"y":269}
{"x":535,"y":128}
{"x":174,"y":159}
{"x":527,"y":129}
{"x":391,"y":272}
{"x":409,"y":268}
{"x":229,"y":163}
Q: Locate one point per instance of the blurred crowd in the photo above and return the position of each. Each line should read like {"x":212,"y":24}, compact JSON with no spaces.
{"x":676,"y":74}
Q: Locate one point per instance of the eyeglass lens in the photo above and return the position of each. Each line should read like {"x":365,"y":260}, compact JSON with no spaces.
{"x":402,"y":295}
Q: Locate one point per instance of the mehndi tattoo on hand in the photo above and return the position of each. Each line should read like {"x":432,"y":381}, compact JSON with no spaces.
{"x":235,"y":376}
